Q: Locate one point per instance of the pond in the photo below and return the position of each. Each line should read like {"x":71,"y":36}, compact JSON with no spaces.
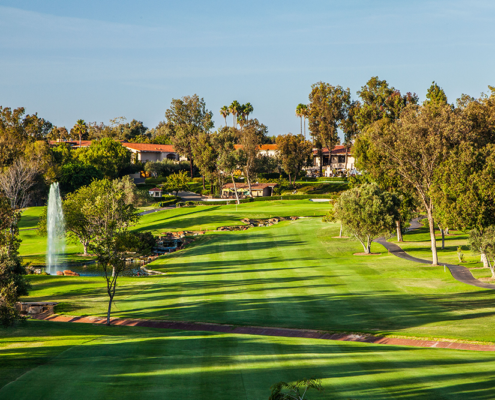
{"x":93,"y":269}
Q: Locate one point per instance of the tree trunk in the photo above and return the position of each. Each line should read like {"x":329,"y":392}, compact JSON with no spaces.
{"x":304,"y":127}
{"x":399,"y":231}
{"x":109,"y":310}
{"x":484,"y":259}
{"x":301,"y":124}
{"x":248,"y":178}
{"x":85,"y":246}
{"x":204,"y":187}
{"x":345,"y":165}
{"x":431,"y":224}
{"x":340,"y":233}
{"x":113,"y":272}
{"x":290,"y":180}
{"x":191,"y":165}
{"x":235,"y":188}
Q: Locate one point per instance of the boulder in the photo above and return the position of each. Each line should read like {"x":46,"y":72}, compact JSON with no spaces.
{"x":60,"y":273}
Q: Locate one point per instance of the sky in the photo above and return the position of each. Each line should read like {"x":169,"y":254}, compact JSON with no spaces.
{"x":97,"y":60}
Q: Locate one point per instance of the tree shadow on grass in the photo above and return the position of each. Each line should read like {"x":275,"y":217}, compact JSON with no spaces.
{"x":197,"y":365}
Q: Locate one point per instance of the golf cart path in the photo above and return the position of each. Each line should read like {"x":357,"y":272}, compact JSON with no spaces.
{"x":460,"y":273}
{"x":271,"y":331}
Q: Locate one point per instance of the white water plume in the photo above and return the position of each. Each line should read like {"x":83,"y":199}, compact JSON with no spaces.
{"x":55,"y":227}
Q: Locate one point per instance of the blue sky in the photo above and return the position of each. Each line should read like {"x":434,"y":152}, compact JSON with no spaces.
{"x":98,"y":60}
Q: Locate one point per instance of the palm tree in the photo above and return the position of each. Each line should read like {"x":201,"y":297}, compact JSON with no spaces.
{"x":224,"y":111}
{"x":247,"y":109}
{"x":299,"y":113}
{"x":304,"y":112}
{"x":80,"y":129}
{"x":234,"y":109}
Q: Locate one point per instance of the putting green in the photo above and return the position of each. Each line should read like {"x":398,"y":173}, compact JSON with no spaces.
{"x":44,"y":360}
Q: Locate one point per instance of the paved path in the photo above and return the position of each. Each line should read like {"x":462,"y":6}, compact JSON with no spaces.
{"x":155,"y":210}
{"x":270,"y":331}
{"x":460,"y":273}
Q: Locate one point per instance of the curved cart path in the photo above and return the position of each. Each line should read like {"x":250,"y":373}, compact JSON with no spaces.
{"x":270,"y":331}
{"x":460,"y":273}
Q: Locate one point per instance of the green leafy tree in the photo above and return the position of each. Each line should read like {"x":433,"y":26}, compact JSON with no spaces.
{"x":294,"y":391}
{"x":416,"y":145}
{"x":483,"y":242}
{"x":206,"y":155}
{"x":75,"y":175}
{"x":366,"y":212}
{"x":326,"y":111}
{"x":12,"y":273}
{"x":18,"y":129}
{"x":177,"y":182}
{"x":187,"y":118}
{"x":464,"y":189}
{"x":435,"y":95}
{"x":294,"y":153}
{"x":107,"y":155}
{"x":109,"y":217}
{"x":228,"y":157}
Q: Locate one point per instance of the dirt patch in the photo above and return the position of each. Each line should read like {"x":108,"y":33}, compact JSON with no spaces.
{"x":486,"y":279}
{"x":340,"y":237}
{"x":366,"y":254}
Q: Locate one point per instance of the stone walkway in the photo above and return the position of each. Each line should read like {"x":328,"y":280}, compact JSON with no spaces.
{"x":270,"y":331}
{"x":460,"y":273}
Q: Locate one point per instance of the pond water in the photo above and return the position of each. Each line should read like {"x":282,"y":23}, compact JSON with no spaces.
{"x":133,"y":269}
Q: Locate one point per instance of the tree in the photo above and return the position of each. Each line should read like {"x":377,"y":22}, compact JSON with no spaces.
{"x":294,"y":391}
{"x":366,"y":212}
{"x":435,"y":95}
{"x":109,"y":218}
{"x":12,"y":273}
{"x":177,"y":182}
{"x":187,"y":118}
{"x":250,"y":143}
{"x":415,"y":145}
{"x":17,"y":129}
{"x":16,"y":182}
{"x":228,"y":157}
{"x":464,"y":189}
{"x":234,"y":109}
{"x":80,"y":130}
{"x":483,"y":242}
{"x":295,"y":154}
{"x":107,"y":155}
{"x":224,"y":111}
{"x":300,"y":114}
{"x":326,"y":111}
{"x":206,"y":156}
{"x":75,"y":175}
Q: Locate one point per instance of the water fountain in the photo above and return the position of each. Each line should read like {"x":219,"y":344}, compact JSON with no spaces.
{"x":55,"y":227}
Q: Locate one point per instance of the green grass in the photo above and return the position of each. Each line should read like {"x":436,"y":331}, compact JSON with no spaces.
{"x":214,"y":216}
{"x":48,"y":360}
{"x":292,"y":275}
{"x":30,"y":217}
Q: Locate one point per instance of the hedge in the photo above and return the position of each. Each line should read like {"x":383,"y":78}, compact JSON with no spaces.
{"x":295,"y":197}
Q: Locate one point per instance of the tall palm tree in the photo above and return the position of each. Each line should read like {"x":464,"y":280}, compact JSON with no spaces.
{"x":247,"y":109}
{"x":234,"y":109}
{"x":299,"y":113}
{"x":224,"y":111}
{"x":80,"y":129}
{"x":304,"y":112}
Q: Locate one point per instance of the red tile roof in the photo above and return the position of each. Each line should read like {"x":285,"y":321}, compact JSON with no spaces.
{"x":156,"y":190}
{"x":153,"y":148}
{"x":339,"y":149}
{"x":263,"y":147}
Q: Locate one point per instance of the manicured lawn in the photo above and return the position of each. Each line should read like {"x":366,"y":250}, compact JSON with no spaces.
{"x":48,"y":360}
{"x":294,"y":275}
{"x":212,"y":217}
{"x":30,"y":217}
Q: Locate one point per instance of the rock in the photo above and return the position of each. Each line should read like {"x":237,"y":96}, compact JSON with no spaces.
{"x":68,"y":272}
{"x":60,"y":273}
{"x":35,"y":309}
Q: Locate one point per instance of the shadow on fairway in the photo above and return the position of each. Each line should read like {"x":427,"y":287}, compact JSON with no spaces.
{"x":131,"y":362}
